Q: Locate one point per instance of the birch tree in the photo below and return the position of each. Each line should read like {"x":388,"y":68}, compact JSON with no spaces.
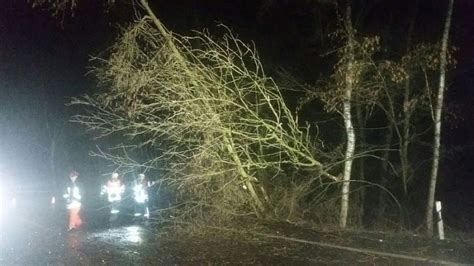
{"x":355,"y":81}
{"x":347,"y":115}
{"x":437,"y":120}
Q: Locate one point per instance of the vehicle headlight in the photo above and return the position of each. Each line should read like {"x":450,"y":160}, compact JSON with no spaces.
{"x":1,"y":203}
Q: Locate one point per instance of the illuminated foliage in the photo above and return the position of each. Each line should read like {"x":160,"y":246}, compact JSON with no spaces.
{"x":221,"y":122}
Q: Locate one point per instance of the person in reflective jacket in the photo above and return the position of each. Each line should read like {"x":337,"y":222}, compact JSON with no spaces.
{"x":114,"y":190}
{"x":73,"y":197}
{"x":140,"y":194}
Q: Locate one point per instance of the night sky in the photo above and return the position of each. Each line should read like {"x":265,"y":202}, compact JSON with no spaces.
{"x":44,"y":61}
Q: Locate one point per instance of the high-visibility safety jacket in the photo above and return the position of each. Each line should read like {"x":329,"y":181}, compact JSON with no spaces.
{"x":140,"y":192}
{"x":114,"y":190}
{"x":72,"y":196}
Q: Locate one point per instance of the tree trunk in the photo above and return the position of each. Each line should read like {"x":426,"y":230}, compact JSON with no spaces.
{"x":385,"y":172}
{"x":405,"y":142}
{"x":408,"y":109}
{"x":437,"y":129}
{"x":245,"y":178}
{"x":361,"y":124}
{"x":164,"y":32}
{"x":350,"y":76}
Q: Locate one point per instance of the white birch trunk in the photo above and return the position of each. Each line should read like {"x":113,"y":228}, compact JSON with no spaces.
{"x":437,"y":129}
{"x":348,"y":123}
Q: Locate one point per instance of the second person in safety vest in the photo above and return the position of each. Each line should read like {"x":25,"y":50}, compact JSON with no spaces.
{"x":114,"y":190}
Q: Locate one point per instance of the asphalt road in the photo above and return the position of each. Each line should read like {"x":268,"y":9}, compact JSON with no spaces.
{"x":35,"y":234}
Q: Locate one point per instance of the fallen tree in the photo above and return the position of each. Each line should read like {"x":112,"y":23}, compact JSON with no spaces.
{"x":225,"y":132}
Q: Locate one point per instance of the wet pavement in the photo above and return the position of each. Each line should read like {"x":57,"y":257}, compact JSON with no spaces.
{"x":36,"y":235}
{"x":39,"y":238}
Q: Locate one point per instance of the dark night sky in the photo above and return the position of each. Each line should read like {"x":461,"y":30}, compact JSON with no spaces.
{"x":41,"y":60}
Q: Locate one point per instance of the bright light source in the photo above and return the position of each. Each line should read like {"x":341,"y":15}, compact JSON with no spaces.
{"x":13,"y":202}
{"x":1,"y":205}
{"x":53,"y":200}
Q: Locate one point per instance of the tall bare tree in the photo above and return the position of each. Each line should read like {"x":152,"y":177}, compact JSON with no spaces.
{"x":437,"y":118}
{"x":347,"y":114}
{"x":408,"y":111}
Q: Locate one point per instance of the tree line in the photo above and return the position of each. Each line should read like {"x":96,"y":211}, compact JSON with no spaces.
{"x":229,"y":144}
